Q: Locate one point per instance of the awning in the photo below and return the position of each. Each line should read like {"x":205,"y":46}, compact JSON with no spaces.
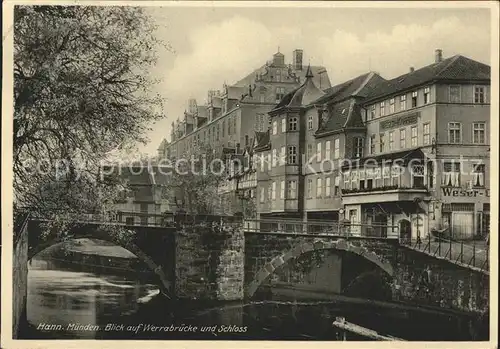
{"x":394,"y":207}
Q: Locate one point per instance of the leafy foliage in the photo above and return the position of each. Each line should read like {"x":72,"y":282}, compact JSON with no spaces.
{"x":194,"y":183}
{"x":81,"y":90}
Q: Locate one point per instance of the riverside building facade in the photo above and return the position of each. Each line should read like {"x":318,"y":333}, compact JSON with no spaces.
{"x":402,"y":156}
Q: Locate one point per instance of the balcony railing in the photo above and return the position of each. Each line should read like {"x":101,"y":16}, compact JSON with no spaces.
{"x":383,"y":188}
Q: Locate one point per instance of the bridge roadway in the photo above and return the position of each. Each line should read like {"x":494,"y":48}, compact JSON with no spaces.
{"x":217,"y":258}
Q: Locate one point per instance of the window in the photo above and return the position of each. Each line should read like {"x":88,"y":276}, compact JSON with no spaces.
{"x":451,"y":174}
{"x":402,"y":102}
{"x":223,"y":128}
{"x":392,"y":106}
{"x":280,"y":93}
{"x":328,"y":150}
{"x":292,"y":189}
{"x":319,"y":187}
{"x":427,"y":95}
{"x":262,"y":163}
{"x":336,"y":150}
{"x":129,"y":221}
{"x":478,"y":133}
{"x":310,"y":122}
{"x":275,"y":127}
{"x":347,"y":180}
{"x":382,"y":108}
{"x":427,"y":133}
{"x":402,"y":138}
{"x":278,"y":75}
{"x":309,"y":152}
{"x":282,"y":156}
{"x":372,"y":115}
{"x":354,"y":179}
{"x":479,"y":93}
{"x":372,"y":144}
{"x":292,"y":155}
{"x":386,"y":175}
{"x":273,"y":190}
{"x":262,"y":98}
{"x":417,"y":175}
{"x":282,"y":190}
{"x":358,"y":147}
{"x":262,"y":194}
{"x":414,"y":99}
{"x":328,"y":188}
{"x":478,"y":175}
{"x":362,"y":175}
{"x":382,"y":142}
{"x":270,"y":192}
{"x":292,"y":124}
{"x":395,"y":174}
{"x":218,"y":129}
{"x":454,"y":132}
{"x":318,"y":151}
{"x":336,"y":189}
{"x":455,"y":93}
{"x":269,"y":161}
{"x":309,"y":187}
{"x":283,"y":125}
{"x":274,"y":158}
{"x":391,"y":140}
{"x":414,"y":136}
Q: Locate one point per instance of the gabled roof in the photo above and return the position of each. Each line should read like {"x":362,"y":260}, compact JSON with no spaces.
{"x":202,"y":111}
{"x":307,"y":93}
{"x":341,"y":102}
{"x":235,"y":92}
{"x":321,"y":78}
{"x":338,"y":115}
{"x":357,"y":86}
{"x":454,"y":68}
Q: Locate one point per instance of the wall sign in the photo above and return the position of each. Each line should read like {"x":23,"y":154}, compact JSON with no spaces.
{"x":399,"y":121}
{"x":452,"y":192}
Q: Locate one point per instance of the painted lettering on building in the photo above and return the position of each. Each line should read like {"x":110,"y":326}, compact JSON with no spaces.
{"x":454,"y":192}
{"x":399,"y":121}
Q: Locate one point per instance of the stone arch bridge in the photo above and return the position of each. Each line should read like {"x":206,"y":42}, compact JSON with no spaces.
{"x":207,"y":262}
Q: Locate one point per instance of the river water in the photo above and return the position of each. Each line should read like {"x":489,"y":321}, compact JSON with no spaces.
{"x":82,"y":305}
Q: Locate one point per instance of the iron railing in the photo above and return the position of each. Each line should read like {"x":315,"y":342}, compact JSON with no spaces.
{"x":321,"y":228}
{"x":473,"y":253}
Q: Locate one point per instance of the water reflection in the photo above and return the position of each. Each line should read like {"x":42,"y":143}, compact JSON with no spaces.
{"x":62,"y":297}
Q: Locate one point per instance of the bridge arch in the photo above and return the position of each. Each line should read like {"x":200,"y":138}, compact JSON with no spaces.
{"x":305,"y":247}
{"x":164,"y":284}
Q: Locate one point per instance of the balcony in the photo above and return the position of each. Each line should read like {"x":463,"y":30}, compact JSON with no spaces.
{"x":383,"y":194}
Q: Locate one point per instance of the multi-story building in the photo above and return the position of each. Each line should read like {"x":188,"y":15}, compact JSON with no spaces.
{"x":230,"y":117}
{"x":144,"y":201}
{"x":233,"y":118}
{"x":411,"y":152}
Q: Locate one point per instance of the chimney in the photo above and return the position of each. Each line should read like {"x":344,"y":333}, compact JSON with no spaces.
{"x":297,"y":59}
{"x":412,"y":69}
{"x":438,"y":55}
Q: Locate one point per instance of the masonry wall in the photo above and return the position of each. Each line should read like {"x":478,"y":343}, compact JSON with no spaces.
{"x":209,"y":263}
{"x":451,"y":286}
{"x":19,"y":281}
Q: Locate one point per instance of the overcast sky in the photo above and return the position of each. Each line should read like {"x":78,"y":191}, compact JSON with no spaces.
{"x":212,"y":45}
